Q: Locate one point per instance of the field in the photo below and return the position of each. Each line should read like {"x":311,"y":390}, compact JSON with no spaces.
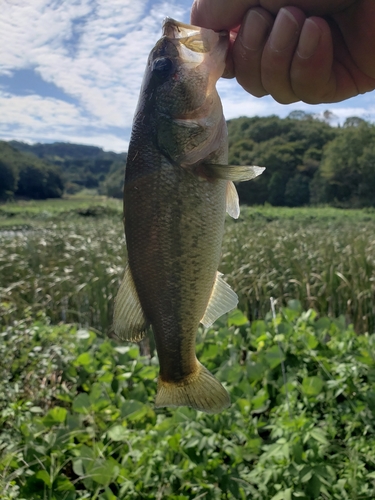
{"x":76,"y":409}
{"x":69,"y":259}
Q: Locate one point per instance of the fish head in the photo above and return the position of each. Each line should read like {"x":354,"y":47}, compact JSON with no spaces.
{"x":185,"y":65}
{"x":179,"y":93}
{"x":200,"y":60}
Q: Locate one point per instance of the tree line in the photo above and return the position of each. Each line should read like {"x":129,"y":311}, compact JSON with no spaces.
{"x":25,"y":175}
{"x":308,"y":162}
{"x":42,"y":171}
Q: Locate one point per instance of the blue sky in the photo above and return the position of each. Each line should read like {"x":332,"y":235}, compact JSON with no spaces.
{"x":70,"y":70}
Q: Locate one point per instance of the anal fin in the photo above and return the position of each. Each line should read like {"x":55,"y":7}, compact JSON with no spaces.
{"x":236,"y":173}
{"x":222,"y":300}
{"x":129,"y":321}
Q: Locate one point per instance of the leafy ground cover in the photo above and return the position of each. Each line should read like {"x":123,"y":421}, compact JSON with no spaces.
{"x":77,"y":417}
{"x":76,"y":409}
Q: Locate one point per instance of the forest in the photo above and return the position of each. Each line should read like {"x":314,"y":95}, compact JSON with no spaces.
{"x":307,"y":160}
{"x":42,"y":171}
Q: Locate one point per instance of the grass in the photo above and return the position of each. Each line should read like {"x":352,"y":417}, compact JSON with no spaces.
{"x":70,"y":261}
{"x":308,"y":214}
{"x":28,"y":212}
{"x":76,"y":410}
{"x":69,"y":270}
{"x":325,"y":258}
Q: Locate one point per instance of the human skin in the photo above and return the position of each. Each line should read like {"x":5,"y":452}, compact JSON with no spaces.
{"x":316,"y":51}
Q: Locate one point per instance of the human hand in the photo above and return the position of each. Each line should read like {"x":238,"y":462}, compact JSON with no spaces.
{"x":315,"y":51}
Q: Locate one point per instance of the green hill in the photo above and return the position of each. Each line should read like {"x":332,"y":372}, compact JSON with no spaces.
{"x":24,"y":174}
{"x":308,"y":162}
{"x":81,"y":166}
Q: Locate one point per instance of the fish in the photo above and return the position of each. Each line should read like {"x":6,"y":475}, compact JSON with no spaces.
{"x":178,"y":187}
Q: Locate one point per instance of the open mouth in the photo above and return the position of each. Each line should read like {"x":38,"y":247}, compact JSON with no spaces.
{"x":194,"y":38}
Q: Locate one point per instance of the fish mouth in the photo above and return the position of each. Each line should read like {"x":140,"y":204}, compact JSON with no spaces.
{"x":195,"y":38}
{"x":176,"y":29}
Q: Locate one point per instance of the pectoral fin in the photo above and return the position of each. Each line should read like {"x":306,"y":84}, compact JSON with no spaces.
{"x":129,"y":321}
{"x":222,"y":300}
{"x":233,"y":204}
{"x":236,"y":173}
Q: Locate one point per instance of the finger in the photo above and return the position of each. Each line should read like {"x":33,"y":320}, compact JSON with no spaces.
{"x":220,"y":14}
{"x":278,"y":54}
{"x":310,"y":7}
{"x":229,"y":65}
{"x":224,"y":14}
{"x":323,"y":70}
{"x":311,"y":74}
{"x":357,"y":27}
{"x":248,"y":48}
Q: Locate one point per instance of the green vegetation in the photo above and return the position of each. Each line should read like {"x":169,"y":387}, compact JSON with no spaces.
{"x":81,"y":166}
{"x":307,"y":161}
{"x":45,"y":171}
{"x":323,"y":257}
{"x":27,"y":176}
{"x":78,"y":421}
{"x":31,"y":213}
{"x":349,"y":166}
{"x":76,"y":408}
{"x":70,"y":262}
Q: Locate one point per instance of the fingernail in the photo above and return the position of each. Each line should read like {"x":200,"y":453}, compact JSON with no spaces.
{"x":309,"y":39}
{"x":254,"y":30}
{"x":284,"y":32}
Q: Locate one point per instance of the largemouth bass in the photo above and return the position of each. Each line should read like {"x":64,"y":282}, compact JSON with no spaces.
{"x":178,"y":186}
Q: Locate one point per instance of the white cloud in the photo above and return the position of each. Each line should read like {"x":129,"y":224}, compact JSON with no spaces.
{"x":95,"y":52}
{"x":37,"y":112}
{"x":33,"y":118}
{"x":110,"y":49}
{"x":237,"y":102}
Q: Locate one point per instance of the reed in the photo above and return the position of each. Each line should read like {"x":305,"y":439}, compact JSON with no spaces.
{"x":70,"y":271}
{"x":327,"y":264}
{"x":71,"y":267}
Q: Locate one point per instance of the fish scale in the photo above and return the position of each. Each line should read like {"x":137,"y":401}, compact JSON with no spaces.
{"x":177,"y":189}
{"x":174,"y":275}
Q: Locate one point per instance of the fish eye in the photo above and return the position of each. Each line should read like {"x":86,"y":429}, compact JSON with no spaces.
{"x":162,"y":67}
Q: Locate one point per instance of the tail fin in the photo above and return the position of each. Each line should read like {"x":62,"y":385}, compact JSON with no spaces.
{"x":200,"y":391}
